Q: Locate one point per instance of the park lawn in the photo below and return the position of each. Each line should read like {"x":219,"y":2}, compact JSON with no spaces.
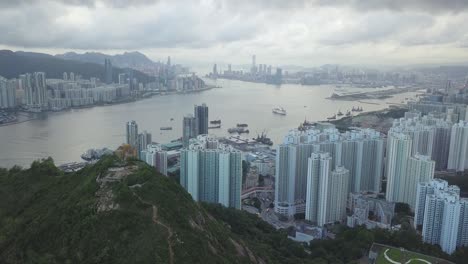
{"x":402,"y":257}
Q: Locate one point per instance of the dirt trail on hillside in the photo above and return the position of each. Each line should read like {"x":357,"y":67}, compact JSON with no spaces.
{"x":170,"y":233}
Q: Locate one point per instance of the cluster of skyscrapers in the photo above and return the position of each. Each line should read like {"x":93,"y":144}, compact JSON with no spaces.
{"x":315,"y":166}
{"x":258,"y":73}
{"x":196,"y":124}
{"x":318,"y":167}
{"x":442,"y":214}
{"x":211,"y":171}
{"x":36,"y":93}
{"x":145,"y":149}
{"x":416,"y":147}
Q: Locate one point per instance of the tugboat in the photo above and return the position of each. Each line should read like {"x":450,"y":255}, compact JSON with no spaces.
{"x":307,"y":123}
{"x":333,"y":117}
{"x":339,"y":113}
{"x":262,"y":138}
{"x":279,"y":110}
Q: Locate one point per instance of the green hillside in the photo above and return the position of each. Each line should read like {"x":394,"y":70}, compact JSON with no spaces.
{"x":12,"y":64}
{"x":124,"y":212}
{"x":112,"y":212}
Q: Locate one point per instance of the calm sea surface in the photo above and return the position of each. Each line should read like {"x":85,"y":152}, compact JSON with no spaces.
{"x":66,"y":135}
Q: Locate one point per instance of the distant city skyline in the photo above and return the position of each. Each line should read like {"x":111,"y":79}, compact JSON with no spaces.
{"x":279,"y":33}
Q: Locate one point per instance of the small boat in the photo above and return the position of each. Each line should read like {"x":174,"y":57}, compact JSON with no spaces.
{"x":165,"y":128}
{"x":279,"y":110}
{"x":215,"y":121}
{"x":214,"y":127}
{"x":172,"y":119}
{"x":348,"y":113}
{"x":339,"y":113}
{"x":242,"y":125}
{"x":333,"y":117}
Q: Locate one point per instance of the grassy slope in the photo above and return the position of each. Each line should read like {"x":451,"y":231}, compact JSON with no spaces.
{"x":48,"y":217}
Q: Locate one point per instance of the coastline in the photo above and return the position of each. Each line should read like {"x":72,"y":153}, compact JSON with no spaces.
{"x":125,"y":101}
{"x":380,"y":120}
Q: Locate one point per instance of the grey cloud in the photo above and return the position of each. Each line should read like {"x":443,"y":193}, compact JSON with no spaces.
{"x":88,"y":3}
{"x":428,"y":6}
{"x":174,"y":26}
{"x":286,"y":29}
{"x":431,"y":6}
{"x":376,"y":28}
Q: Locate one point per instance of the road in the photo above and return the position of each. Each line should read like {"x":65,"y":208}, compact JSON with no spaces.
{"x":267,"y":213}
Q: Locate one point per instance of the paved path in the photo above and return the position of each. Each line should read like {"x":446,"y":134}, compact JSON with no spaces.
{"x":409,"y":261}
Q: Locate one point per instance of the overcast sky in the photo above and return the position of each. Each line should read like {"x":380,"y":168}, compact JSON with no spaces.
{"x":307,"y":33}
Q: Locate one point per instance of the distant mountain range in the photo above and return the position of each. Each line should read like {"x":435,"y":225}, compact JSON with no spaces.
{"x":13,"y":64}
{"x":135,"y":60}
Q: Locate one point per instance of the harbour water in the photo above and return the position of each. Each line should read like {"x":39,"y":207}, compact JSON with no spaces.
{"x":66,"y":135}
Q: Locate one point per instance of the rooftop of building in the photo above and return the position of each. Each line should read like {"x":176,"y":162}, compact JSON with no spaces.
{"x":172,"y":145}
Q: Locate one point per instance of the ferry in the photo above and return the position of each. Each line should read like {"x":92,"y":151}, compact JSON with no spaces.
{"x":165,"y":128}
{"x":279,"y":110}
